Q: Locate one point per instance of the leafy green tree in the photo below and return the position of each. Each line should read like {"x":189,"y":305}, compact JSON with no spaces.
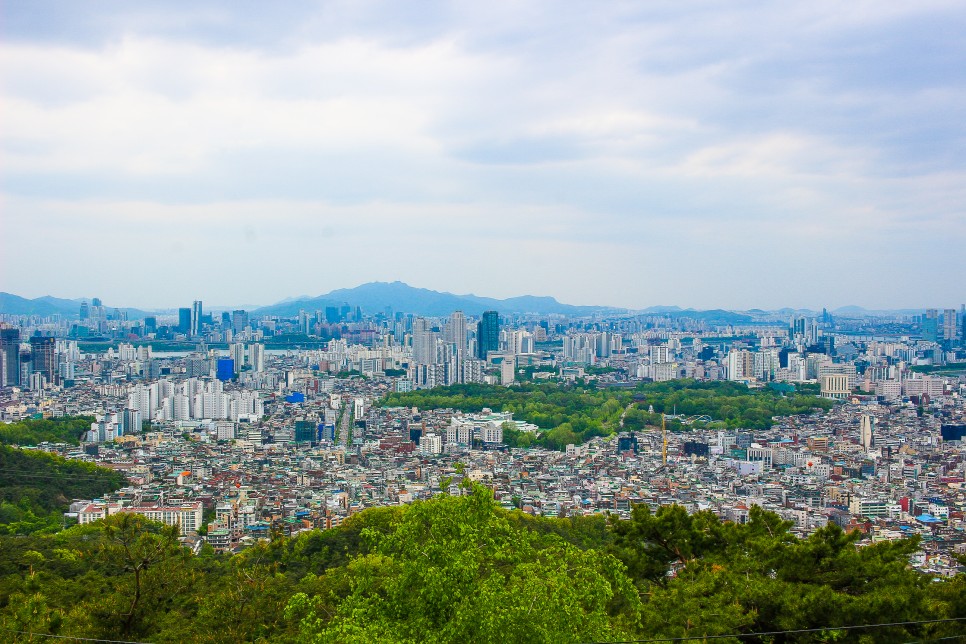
{"x":147,"y":559}
{"x":703,"y":577}
{"x":456,"y":570}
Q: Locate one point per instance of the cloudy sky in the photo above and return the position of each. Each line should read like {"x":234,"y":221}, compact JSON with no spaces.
{"x":703,"y":154}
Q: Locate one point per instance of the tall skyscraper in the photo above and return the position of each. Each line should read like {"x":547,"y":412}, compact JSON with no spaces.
{"x":196,"y":314}
{"x":237,"y":353}
{"x":10,"y":357}
{"x":43,"y":357}
{"x":487,"y":334}
{"x":456,"y":333}
{"x":424,"y":342}
{"x":930,"y":326}
{"x":184,"y":321}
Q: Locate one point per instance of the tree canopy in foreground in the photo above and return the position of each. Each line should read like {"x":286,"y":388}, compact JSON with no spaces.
{"x":459,"y":569}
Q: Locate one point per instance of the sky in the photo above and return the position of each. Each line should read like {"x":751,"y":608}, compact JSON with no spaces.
{"x":701,"y":154}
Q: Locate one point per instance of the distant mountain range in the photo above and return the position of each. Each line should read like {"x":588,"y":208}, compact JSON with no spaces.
{"x":46,"y":305}
{"x":375,"y":297}
{"x":49,"y":305}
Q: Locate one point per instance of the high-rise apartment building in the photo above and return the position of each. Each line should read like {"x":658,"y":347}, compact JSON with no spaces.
{"x":196,"y":313}
{"x":237,"y":353}
{"x":741,"y":365}
{"x":256,"y":357}
{"x":949,"y":325}
{"x":10,"y":357}
{"x":424,"y":342}
{"x":456,"y":333}
{"x":488,"y":334}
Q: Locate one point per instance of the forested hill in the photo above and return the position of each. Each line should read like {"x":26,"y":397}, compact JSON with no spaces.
{"x":68,"y":429}
{"x":36,"y":488}
{"x":460,"y":569}
{"x":575,"y":413}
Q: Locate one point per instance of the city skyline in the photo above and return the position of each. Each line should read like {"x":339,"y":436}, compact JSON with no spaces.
{"x":614,"y":155}
{"x":318,"y":302}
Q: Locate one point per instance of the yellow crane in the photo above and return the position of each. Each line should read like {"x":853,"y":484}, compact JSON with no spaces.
{"x":664,"y":438}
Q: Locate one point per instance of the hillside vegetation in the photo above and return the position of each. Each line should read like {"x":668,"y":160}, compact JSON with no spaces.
{"x":68,"y":429}
{"x":459,"y":569}
{"x":36,"y":488}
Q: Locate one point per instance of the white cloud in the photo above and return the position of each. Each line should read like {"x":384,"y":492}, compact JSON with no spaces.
{"x":623,"y":137}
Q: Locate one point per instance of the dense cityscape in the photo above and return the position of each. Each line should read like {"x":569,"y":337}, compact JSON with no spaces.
{"x":233,"y":440}
{"x":482,"y":322}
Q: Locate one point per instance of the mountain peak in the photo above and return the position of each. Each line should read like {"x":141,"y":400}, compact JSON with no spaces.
{"x":399,"y":296}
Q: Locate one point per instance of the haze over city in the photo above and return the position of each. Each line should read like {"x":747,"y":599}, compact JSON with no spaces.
{"x":614,"y":154}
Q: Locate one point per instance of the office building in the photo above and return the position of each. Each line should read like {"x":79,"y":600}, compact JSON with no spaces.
{"x":835,"y":385}
{"x":184,"y":321}
{"x":239,"y":320}
{"x":306,"y":431}
{"x":488,"y":334}
{"x":930,"y":325}
{"x":43,"y":357}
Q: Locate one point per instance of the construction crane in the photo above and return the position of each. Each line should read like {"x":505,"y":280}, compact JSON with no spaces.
{"x":664,"y":438}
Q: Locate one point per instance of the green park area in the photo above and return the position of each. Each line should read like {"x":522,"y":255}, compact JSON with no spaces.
{"x":574,"y":413}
